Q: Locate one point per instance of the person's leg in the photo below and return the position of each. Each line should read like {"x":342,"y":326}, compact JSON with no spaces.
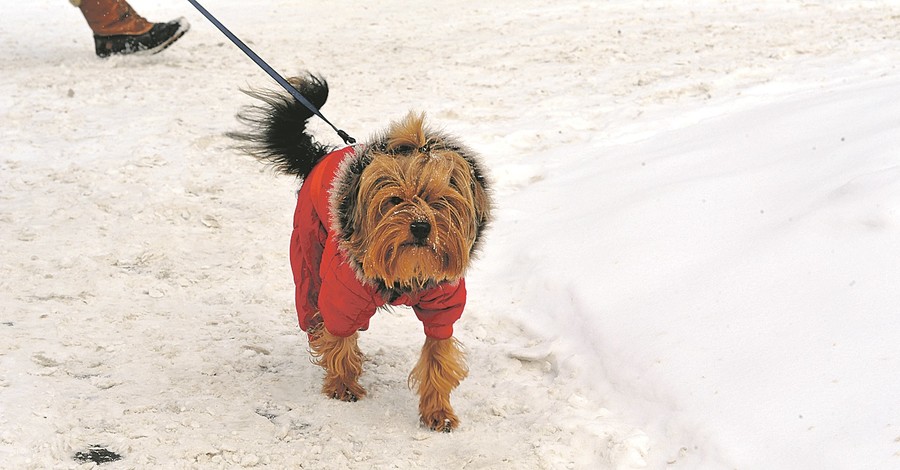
{"x":118,"y":29}
{"x":112,"y":17}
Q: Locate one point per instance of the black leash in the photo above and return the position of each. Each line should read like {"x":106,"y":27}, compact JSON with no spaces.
{"x":272,"y":73}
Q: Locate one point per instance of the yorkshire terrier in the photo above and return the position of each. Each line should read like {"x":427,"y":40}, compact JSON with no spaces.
{"x":393,"y":221}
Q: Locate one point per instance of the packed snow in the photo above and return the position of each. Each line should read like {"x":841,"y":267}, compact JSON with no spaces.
{"x":693,"y":262}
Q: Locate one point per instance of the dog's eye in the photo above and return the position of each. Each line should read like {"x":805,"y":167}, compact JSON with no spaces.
{"x":390,"y":203}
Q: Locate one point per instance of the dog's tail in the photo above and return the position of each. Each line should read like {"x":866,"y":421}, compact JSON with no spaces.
{"x":277,"y":132}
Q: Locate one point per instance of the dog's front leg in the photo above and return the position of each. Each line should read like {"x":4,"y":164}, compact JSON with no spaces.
{"x":342,"y":361}
{"x":441,"y":367}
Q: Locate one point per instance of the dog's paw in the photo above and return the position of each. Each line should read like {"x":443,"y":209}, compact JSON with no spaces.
{"x":347,"y":395}
{"x":447,"y":426}
{"x":343,"y":392}
{"x":441,"y":421}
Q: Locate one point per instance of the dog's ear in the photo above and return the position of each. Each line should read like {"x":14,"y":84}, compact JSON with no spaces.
{"x":482,"y":199}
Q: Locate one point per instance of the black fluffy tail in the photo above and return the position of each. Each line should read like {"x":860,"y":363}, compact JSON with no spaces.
{"x":277,"y":132}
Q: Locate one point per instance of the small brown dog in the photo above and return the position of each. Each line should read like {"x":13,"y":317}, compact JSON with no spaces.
{"x":394,"y":221}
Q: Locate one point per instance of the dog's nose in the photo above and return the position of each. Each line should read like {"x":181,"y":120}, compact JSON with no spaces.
{"x":420,"y":230}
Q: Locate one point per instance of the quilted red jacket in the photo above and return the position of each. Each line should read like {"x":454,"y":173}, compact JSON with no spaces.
{"x":326,"y":283}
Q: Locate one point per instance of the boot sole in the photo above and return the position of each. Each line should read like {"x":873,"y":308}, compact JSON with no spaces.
{"x":183,"y":27}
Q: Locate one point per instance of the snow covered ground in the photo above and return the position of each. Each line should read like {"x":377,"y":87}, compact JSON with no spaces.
{"x":694,"y":262}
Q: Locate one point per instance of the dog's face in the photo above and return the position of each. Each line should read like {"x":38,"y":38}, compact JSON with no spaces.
{"x":414,"y":209}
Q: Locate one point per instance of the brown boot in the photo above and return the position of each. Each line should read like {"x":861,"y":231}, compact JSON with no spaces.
{"x":118,"y":29}
{"x":113,"y":18}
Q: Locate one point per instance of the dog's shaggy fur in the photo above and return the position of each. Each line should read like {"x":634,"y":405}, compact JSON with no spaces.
{"x":408,"y":209}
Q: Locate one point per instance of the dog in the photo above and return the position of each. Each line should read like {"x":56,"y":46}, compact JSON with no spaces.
{"x":394,"y":221}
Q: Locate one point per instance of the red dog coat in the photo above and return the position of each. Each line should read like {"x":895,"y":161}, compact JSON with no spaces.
{"x":326,"y":283}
